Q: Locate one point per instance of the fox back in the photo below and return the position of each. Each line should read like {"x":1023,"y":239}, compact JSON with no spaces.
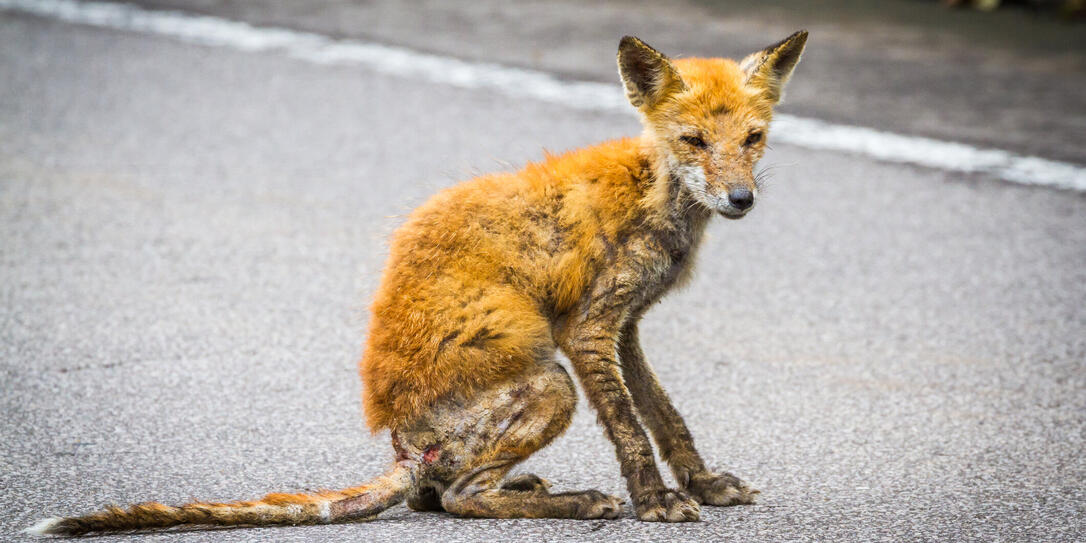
{"x":480,"y":277}
{"x":489,"y":278}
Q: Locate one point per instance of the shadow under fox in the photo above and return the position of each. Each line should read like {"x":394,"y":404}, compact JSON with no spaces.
{"x":490,"y":278}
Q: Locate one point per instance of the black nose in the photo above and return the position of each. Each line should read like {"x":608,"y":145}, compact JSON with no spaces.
{"x":741,"y":198}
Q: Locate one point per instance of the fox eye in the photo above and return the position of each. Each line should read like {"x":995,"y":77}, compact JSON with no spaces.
{"x":753,"y":138}
{"x":694,"y":141}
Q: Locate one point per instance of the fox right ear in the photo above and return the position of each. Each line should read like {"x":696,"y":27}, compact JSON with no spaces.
{"x":648,"y":75}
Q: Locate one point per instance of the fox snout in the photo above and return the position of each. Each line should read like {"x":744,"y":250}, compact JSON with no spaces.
{"x":735,"y":202}
{"x":741,"y":198}
{"x":730,"y":184}
{"x":730,"y":199}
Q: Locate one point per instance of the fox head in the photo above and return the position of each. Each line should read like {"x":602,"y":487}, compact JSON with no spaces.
{"x":708,"y":117}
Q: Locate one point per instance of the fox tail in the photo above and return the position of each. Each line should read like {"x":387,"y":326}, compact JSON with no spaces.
{"x":324,"y":507}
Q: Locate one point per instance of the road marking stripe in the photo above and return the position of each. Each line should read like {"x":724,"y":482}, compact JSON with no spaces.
{"x":522,"y":83}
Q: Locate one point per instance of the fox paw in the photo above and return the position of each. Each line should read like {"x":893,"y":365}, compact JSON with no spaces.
{"x":666,"y":505}
{"x":600,"y":505}
{"x":720,"y":489}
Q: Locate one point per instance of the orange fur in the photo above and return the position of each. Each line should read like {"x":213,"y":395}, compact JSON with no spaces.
{"x":487,"y":279}
{"x":480,"y":275}
{"x":470,"y":270}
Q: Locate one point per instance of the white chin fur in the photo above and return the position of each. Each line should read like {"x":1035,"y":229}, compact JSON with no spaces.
{"x":693,"y":177}
{"x":43,"y":526}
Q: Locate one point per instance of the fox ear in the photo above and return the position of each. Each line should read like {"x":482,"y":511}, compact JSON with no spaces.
{"x":770,"y":68}
{"x":648,"y":75}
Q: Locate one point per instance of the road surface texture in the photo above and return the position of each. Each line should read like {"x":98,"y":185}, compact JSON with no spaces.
{"x":189,"y":236}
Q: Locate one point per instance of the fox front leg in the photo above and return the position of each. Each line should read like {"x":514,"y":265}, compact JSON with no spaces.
{"x":591,"y":345}
{"x":672,"y":436}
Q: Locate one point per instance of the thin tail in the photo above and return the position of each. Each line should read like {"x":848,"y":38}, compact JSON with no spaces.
{"x":323,"y":507}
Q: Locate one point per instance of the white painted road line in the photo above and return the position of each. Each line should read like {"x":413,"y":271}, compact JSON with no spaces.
{"x":522,"y":83}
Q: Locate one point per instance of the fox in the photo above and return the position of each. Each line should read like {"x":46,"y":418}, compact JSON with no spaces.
{"x":489,"y":279}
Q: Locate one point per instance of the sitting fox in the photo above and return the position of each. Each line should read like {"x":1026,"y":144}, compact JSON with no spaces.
{"x":489,"y":278}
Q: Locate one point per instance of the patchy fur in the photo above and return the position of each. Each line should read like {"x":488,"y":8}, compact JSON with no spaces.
{"x":489,"y":278}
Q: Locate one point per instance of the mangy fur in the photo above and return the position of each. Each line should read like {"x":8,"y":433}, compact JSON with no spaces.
{"x":488,"y":279}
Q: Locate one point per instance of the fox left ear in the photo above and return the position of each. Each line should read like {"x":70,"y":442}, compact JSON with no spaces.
{"x":770,"y":68}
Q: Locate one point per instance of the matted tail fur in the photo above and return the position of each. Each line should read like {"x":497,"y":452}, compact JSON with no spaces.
{"x":322,"y":507}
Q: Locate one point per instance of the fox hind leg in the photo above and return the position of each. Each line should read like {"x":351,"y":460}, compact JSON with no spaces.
{"x":471,"y":446}
{"x":527,"y":482}
{"x":478,"y":494}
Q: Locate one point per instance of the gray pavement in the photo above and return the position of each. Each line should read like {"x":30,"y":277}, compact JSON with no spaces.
{"x":188,"y":238}
{"x":1002,"y":80}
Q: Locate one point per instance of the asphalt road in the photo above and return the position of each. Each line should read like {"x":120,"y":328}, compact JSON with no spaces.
{"x":188,"y":238}
{"x":1002,"y":79}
